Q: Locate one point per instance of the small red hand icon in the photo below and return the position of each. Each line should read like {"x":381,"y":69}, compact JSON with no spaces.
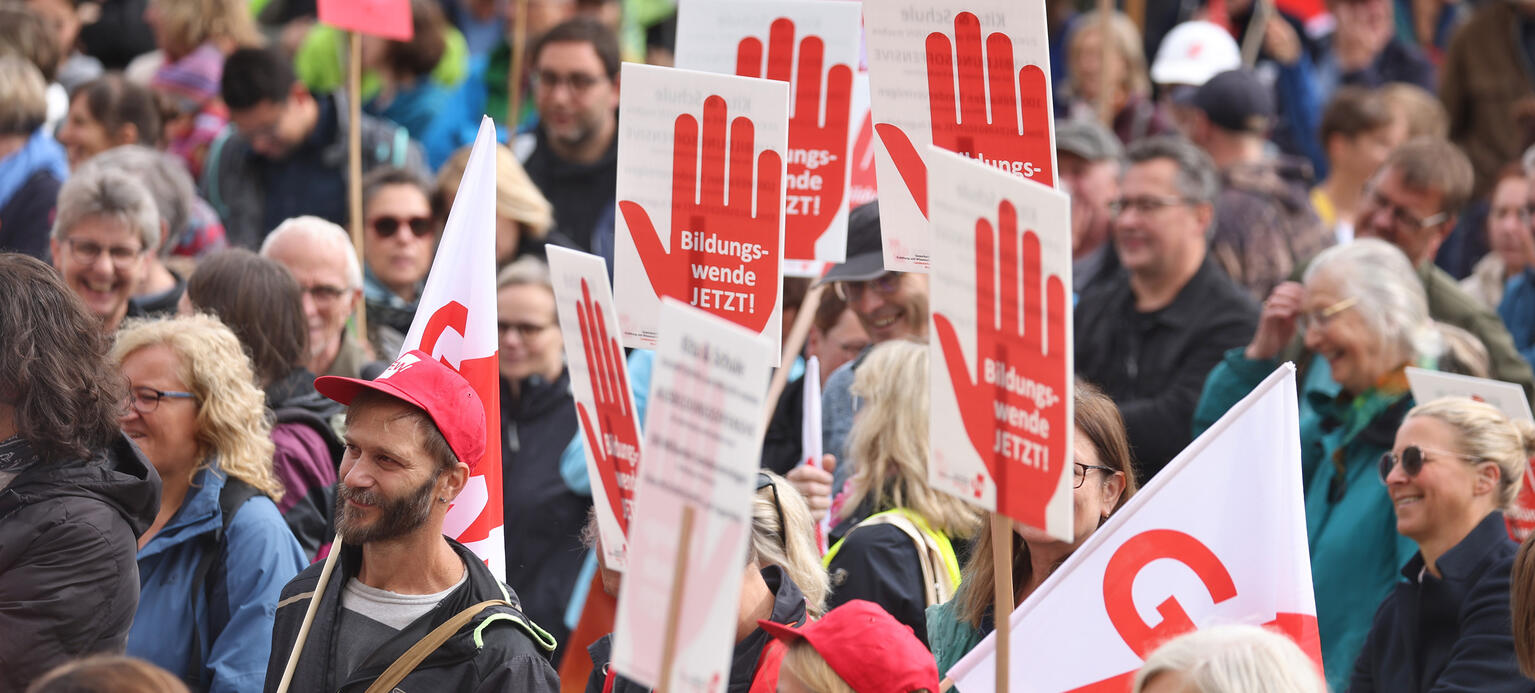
{"x":614,"y":441}
{"x":816,"y":149}
{"x":1014,"y":408}
{"x":745,"y":243}
{"x":865,"y":187}
{"x":1020,"y":145}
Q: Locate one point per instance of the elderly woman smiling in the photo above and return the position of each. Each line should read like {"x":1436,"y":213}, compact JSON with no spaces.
{"x":1363,"y":314}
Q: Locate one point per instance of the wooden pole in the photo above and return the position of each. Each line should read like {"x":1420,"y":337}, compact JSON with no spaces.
{"x":1105,"y":85}
{"x":1252,"y":41}
{"x":514,"y":73}
{"x":1136,"y":11}
{"x":1002,"y":557}
{"x":674,"y":608}
{"x":791,"y":348}
{"x":314,"y":606}
{"x":354,"y":166}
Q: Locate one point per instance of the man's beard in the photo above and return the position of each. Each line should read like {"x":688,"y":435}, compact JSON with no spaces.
{"x":397,"y":516}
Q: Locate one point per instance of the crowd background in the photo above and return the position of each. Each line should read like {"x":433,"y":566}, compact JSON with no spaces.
{"x":1357,"y":196}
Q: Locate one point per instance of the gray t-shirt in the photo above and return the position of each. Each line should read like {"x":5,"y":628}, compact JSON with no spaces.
{"x":371,"y":616}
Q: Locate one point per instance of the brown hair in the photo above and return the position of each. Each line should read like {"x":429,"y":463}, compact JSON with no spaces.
{"x":1423,"y":111}
{"x":53,"y":364}
{"x":1098,"y":418}
{"x":107,"y":674}
{"x":25,"y":34}
{"x":418,"y":56}
{"x":1354,"y":111}
{"x":1433,"y":163}
{"x":113,"y":101}
{"x":261,"y":302}
{"x":583,"y":30}
{"x":187,"y":24}
{"x":829,"y":311}
{"x":1522,"y":596}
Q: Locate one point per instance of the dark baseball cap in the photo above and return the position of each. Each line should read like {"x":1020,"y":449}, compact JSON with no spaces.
{"x":865,"y":247}
{"x":1237,"y":101}
{"x":1088,"y":139}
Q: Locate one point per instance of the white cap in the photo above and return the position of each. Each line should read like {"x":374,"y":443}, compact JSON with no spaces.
{"x":1193,"y":52}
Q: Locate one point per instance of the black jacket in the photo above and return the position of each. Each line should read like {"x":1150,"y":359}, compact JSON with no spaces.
{"x":579,"y":193}
{"x":880,"y":564}
{"x":783,"y":447}
{"x":27,"y":218}
{"x":1452,"y":633}
{"x":69,"y":578}
{"x":495,"y":651}
{"x":307,"y":457}
{"x":1154,"y":364}
{"x":788,"y":608}
{"x":544,"y":517}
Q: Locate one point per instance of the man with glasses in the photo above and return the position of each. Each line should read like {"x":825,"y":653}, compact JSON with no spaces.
{"x":107,"y":227}
{"x":572,"y":156}
{"x":1149,"y":336}
{"x":286,"y":154}
{"x":320,"y":256}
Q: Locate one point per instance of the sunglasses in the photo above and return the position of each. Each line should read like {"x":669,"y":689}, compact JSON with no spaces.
{"x":1412,"y":459}
{"x":765,"y":481}
{"x":386,"y":226}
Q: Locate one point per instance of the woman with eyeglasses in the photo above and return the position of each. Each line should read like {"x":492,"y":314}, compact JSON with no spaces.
{"x":1364,"y":318}
{"x":218,"y":553}
{"x":1104,"y":474}
{"x":1455,"y":466}
{"x":400,"y":238}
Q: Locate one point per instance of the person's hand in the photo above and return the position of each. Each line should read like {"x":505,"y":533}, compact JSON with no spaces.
{"x":814,"y":483}
{"x":614,"y":439}
{"x":817,"y":151}
{"x":683,"y":270}
{"x":1280,"y":40}
{"x":1001,"y":139}
{"x":1277,"y":322}
{"x":1014,"y":407}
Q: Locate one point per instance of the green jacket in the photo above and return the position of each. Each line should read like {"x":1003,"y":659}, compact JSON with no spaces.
{"x":1356,"y":553}
{"x":950,"y":638}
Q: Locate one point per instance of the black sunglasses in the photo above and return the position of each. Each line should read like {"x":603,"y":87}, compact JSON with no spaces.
{"x":766,"y":481}
{"x":1412,"y":459}
{"x":386,"y":226}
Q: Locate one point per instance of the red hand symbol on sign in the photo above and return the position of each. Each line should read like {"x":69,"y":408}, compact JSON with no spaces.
{"x":862,"y":179}
{"x":1018,"y":144}
{"x":1127,"y":563}
{"x":701,"y":214}
{"x":614,"y":442}
{"x":1014,"y":408}
{"x":817,"y":151}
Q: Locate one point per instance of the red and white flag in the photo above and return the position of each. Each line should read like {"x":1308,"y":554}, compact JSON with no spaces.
{"x":456,"y":323}
{"x":1218,"y":537}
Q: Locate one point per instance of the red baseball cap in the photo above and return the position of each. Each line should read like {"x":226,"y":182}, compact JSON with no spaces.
{"x":867,"y":647}
{"x":427,"y":384}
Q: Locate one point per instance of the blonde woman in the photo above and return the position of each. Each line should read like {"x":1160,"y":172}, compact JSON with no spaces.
{"x":212,"y":564}
{"x":1131,"y":114}
{"x":523,"y":217}
{"x":783,"y":534}
{"x":194,"y":38}
{"x":900,"y":555}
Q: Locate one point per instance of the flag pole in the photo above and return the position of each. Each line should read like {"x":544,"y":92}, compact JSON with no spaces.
{"x":354,"y":164}
{"x":314,"y":606}
{"x":1002,"y":558}
{"x":1105,"y":85}
{"x":674,"y":608}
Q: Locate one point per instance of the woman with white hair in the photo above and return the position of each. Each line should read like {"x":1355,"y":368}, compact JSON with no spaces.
{"x":1229,"y":659}
{"x":1364,"y":316}
{"x":1456,"y":466}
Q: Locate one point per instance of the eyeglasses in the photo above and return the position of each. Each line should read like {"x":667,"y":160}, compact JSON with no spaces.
{"x":144,"y":399}
{"x":525,"y":330}
{"x":579,"y":82}
{"x":324,"y":293}
{"x":1320,"y":318}
{"x":87,"y":252}
{"x":1146,"y":204}
{"x":884,"y":285}
{"x":1412,"y":459}
{"x":1400,"y":217}
{"x":386,"y":226}
{"x":766,"y":481}
{"x":1080,"y":473}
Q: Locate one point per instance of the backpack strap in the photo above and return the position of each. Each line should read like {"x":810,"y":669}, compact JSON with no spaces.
{"x":933,"y":550}
{"x":427,"y":645}
{"x":231,"y":498}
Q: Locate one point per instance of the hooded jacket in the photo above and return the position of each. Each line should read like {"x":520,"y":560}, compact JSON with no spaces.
{"x":69,"y":583}
{"x":498,"y":650}
{"x":306,"y":459}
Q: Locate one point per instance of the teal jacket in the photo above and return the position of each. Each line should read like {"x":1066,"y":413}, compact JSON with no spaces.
{"x":950,"y":638}
{"x":1356,"y":553}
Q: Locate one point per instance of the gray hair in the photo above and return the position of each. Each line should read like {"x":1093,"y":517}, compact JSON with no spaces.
{"x":526,"y":271}
{"x":166,"y":179}
{"x":1197,"y":179}
{"x":96,"y":191}
{"x":324,"y":231}
{"x":1390,"y":295}
{"x":1528,"y":162}
{"x":23,"y":96}
{"x":1227,"y":658}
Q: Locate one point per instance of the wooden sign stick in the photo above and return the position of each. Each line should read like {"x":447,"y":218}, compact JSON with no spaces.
{"x":674,"y":608}
{"x":314,"y":606}
{"x":791,"y":348}
{"x":1002,"y":556}
{"x":354,"y":166}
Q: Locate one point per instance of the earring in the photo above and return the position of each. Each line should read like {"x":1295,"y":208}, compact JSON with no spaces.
{"x":441,"y":499}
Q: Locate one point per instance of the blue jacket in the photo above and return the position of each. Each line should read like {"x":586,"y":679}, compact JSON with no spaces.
{"x":260,"y":557}
{"x":1518,"y":312}
{"x":1356,"y":552}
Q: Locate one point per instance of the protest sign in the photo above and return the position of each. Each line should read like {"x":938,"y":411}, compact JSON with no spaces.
{"x":996,"y":46}
{"x":599,"y":382}
{"x":692,"y":519}
{"x":1002,"y":359}
{"x":810,"y":435}
{"x":1509,"y":398}
{"x":1207,"y":542}
{"x":814,"y":47}
{"x":388,"y":19}
{"x":685,"y":228}
{"x":863,"y":186}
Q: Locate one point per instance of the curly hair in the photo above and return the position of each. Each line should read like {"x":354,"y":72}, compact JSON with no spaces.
{"x":53,"y":364}
{"x":231,"y":413}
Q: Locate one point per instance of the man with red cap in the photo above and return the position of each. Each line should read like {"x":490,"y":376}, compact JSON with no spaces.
{"x":400,"y":588}
{"x":855,"y":648}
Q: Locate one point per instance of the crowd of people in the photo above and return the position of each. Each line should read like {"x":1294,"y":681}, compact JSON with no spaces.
{"x":189,"y":411}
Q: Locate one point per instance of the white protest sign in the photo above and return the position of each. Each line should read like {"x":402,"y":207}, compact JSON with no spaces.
{"x":814,"y":47}
{"x":599,"y":382}
{"x":999,"y":112}
{"x":1207,"y":542}
{"x":702,"y":434}
{"x":700,"y":200}
{"x":1002,"y":357}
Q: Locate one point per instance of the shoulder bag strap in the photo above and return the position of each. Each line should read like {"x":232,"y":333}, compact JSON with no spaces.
{"x":427,"y":645}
